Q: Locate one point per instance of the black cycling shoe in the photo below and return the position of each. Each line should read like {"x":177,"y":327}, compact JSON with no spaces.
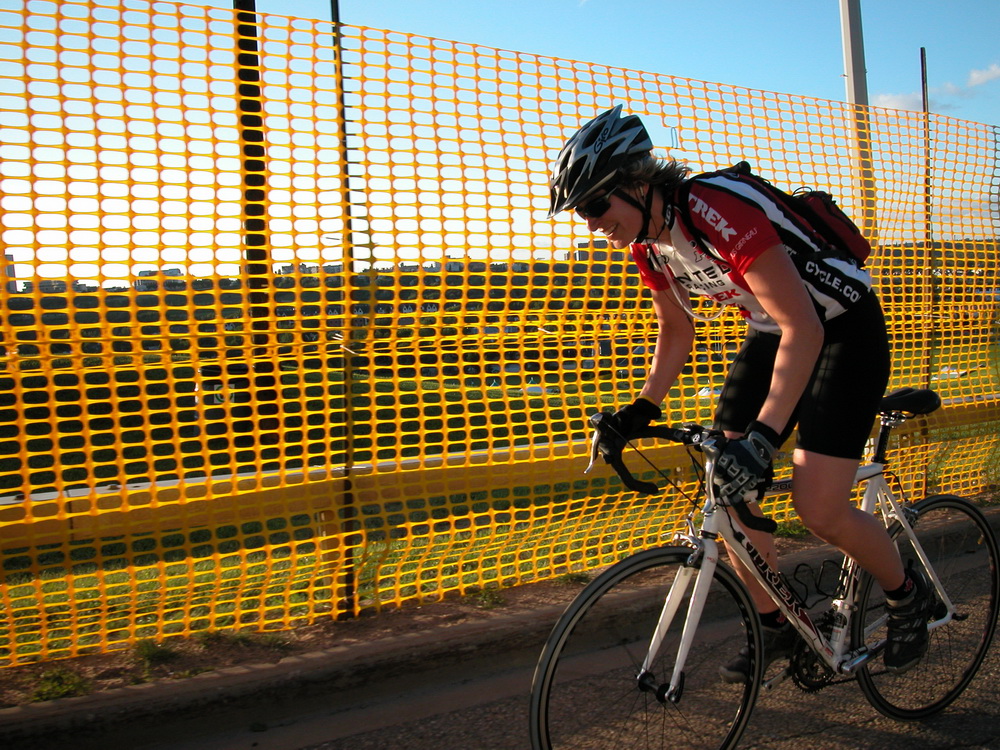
{"x":907,"y":625}
{"x":778,"y":644}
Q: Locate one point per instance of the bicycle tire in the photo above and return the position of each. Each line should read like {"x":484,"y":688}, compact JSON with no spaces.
{"x":962,"y":549}
{"x":586,"y":694}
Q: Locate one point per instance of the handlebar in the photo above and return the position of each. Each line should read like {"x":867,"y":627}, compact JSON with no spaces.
{"x":710,"y":442}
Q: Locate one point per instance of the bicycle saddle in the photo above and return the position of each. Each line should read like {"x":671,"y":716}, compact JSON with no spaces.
{"x":910,"y":401}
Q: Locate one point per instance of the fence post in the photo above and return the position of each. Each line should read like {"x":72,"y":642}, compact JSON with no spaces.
{"x":338,"y":546}
{"x":255,"y":228}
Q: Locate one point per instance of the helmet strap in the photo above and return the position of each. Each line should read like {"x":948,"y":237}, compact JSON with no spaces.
{"x":644,"y":208}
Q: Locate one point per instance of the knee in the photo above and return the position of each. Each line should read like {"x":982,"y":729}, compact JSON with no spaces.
{"x":827,"y":523}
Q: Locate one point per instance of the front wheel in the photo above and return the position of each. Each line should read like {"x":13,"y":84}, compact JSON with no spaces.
{"x":588,"y":692}
{"x":962,"y":551}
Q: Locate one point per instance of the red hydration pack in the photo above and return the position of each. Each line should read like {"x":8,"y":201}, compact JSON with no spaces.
{"x":815,"y":207}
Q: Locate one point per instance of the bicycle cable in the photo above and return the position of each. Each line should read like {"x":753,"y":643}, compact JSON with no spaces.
{"x":699,"y":473}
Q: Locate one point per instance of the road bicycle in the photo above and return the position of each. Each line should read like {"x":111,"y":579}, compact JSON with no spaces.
{"x":634,"y":660}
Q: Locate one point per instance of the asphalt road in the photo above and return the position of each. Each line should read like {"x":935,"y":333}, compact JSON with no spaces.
{"x":492,"y":715}
{"x":482,"y":705}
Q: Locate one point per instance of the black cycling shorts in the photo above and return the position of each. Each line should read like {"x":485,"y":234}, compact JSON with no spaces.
{"x":836,"y":413}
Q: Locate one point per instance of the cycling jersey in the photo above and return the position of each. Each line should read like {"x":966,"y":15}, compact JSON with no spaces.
{"x":736,"y":222}
{"x":834,"y":415}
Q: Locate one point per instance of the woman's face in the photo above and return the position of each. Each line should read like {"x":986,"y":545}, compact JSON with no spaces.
{"x":619,"y":223}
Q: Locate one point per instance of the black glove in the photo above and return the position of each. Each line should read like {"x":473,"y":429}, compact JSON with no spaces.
{"x":743,"y":464}
{"x":618,"y":428}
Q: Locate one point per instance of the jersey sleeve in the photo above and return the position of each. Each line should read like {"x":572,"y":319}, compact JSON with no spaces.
{"x":733,"y":217}
{"x":652,"y":278}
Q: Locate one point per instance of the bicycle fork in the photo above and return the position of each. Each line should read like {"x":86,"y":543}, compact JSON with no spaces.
{"x":700,"y":567}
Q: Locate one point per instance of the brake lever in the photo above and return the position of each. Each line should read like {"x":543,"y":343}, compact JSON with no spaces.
{"x":615,"y":461}
{"x":595,"y":440}
{"x":709,"y":442}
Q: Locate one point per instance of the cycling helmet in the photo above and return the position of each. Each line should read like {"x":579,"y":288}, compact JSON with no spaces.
{"x":594,"y":155}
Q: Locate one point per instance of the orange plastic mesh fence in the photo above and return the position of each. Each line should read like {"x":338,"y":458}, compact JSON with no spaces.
{"x":287,"y":336}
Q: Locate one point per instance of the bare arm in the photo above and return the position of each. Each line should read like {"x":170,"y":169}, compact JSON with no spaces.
{"x":777,"y":284}
{"x":674,"y":340}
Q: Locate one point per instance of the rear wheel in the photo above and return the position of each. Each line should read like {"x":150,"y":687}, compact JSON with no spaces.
{"x":962,"y":551}
{"x":588,"y":691}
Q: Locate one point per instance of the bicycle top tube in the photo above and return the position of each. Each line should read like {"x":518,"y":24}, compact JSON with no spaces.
{"x":896,"y":407}
{"x":864,"y":473}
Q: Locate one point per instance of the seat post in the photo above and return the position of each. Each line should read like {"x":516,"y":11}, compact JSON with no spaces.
{"x":886,"y":424}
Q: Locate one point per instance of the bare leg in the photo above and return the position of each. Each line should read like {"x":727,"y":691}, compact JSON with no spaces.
{"x":764,"y":543}
{"x":823,"y":501}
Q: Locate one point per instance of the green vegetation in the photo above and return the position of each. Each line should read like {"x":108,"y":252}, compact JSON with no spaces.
{"x":153,"y":654}
{"x":241,"y":639}
{"x":792,"y":528}
{"x":487,"y":598}
{"x":82,"y":596}
{"x":574,"y":579}
{"x":59,"y":682}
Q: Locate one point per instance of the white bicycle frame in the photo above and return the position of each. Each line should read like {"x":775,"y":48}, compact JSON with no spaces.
{"x":705,"y":557}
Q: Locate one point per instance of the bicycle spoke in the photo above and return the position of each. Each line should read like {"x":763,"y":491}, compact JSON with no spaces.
{"x":587,"y":692}
{"x":963,"y":553}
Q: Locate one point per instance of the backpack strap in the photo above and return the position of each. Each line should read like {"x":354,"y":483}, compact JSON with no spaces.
{"x":682,"y":204}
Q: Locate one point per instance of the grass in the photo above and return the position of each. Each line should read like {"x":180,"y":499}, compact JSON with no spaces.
{"x":574,"y":579}
{"x":153,"y":654}
{"x":59,"y":682}
{"x":792,"y":528}
{"x":487,"y":598}
{"x":242,"y":639}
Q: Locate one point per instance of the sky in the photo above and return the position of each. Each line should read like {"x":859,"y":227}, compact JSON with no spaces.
{"x":787,"y":46}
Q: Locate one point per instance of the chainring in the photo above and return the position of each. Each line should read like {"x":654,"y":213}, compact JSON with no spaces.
{"x":809,"y":672}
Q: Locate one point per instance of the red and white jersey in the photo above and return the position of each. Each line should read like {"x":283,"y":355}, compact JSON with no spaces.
{"x":736,"y":222}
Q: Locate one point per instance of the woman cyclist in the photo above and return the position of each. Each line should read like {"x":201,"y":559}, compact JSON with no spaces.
{"x":815,"y":357}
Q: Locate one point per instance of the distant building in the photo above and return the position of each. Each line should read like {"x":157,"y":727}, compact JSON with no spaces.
{"x":9,"y":275}
{"x":147,"y":281}
{"x":52,"y":286}
{"x":598,"y":250}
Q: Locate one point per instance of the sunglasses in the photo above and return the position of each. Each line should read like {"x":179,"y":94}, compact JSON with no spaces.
{"x":596,"y":208}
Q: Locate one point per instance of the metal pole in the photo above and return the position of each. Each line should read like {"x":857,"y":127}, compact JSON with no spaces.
{"x":855,"y":75}
{"x":932,"y":258}
{"x":345,"y":591}
{"x":923,"y":79}
{"x":929,"y":229}
{"x":255,"y":229}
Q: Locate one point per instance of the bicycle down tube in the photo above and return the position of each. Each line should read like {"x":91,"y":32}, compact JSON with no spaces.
{"x":706,"y":557}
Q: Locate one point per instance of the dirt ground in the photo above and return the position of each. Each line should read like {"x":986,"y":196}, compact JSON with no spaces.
{"x":181,"y":658}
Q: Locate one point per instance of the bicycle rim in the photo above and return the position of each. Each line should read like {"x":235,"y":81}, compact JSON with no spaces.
{"x":586,"y":694}
{"x":963,"y":552}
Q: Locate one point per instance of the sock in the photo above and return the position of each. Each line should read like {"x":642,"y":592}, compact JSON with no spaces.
{"x":902,"y":592}
{"x":773,"y":619}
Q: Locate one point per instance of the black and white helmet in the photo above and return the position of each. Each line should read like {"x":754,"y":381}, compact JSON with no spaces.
{"x":593,"y":156}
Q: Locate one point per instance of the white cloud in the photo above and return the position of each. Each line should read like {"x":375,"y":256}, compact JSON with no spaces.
{"x":942,"y":97}
{"x":979,"y":77}
{"x":899,"y":101}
